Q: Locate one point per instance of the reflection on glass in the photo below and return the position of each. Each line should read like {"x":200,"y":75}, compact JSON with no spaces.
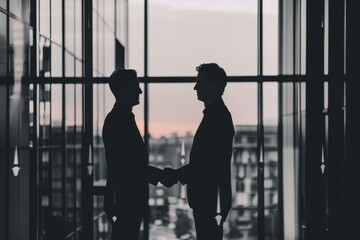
{"x":102,"y":228}
{"x":20,"y":9}
{"x":44,"y":57}
{"x":224,"y":32}
{"x":3,"y":45}
{"x":270,"y":37}
{"x":3,"y":4}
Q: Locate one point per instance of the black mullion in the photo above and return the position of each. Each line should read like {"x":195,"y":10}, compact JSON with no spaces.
{"x":35,"y":203}
{"x":87,"y":180}
{"x":260,"y":132}
{"x":314,"y":187}
{"x":336,"y":123}
{"x":7,"y":131}
{"x":50,"y":151}
{"x":74,"y":131}
{"x":74,"y":162}
{"x":103,"y":80}
{"x":63,"y":131}
{"x":280,"y":164}
{"x":280,"y":130}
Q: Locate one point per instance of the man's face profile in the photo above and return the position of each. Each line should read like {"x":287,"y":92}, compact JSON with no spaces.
{"x":203,"y":87}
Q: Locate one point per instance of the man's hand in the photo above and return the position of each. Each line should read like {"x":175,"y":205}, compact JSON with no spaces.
{"x":168,"y":177}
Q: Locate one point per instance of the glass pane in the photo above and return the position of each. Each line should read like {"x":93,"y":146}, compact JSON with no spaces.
{"x":79,"y":68}
{"x":109,"y":52}
{"x":270,"y":37}
{"x":56,"y":61}
{"x":136,"y":36}
{"x":78,"y":144}
{"x":95,"y":42}
{"x":44,"y":57}
{"x":21,"y":8}
{"x":183,"y":34}
{"x":44,"y":14}
{"x":70,"y":181}
{"x":289,"y":179}
{"x":56,"y":114}
{"x":101,"y":47}
{"x":56,"y":161}
{"x":69,"y":65}
{"x":56,"y":21}
{"x":78,"y":29}
{"x":18,"y":52}
{"x":172,"y":123}
{"x":241,"y":99}
{"x":271,"y":182}
{"x":121,"y":21}
{"x":109,"y":14}
{"x":69,"y":25}
{"x":102,"y":228}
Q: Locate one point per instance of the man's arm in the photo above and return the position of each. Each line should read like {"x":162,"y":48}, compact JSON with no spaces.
{"x":154,"y":175}
{"x":221,"y":153}
{"x":109,"y":203}
{"x":183,"y":174}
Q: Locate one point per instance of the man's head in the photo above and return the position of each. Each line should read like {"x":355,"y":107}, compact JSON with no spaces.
{"x":210,"y":81}
{"x":125,"y":86}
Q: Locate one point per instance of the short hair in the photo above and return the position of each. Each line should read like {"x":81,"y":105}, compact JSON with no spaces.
{"x":121,"y":79}
{"x":215,"y":74}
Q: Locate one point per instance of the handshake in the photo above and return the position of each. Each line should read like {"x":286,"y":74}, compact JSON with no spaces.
{"x":168,"y":177}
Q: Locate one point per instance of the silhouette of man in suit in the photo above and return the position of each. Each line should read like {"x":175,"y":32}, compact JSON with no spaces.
{"x":127,"y":160}
{"x":209,"y":168}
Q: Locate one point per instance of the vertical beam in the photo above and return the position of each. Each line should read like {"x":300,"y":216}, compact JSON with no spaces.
{"x":63,"y":134}
{"x":352,"y":209}
{"x":7,"y":159}
{"x":260,"y":129}
{"x":314,"y":180}
{"x":87,"y":180}
{"x":336,"y":119}
{"x":280,"y":130}
{"x":34,"y":163}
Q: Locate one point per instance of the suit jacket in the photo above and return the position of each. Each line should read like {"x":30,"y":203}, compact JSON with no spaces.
{"x":128,"y":172}
{"x":209,"y":167}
